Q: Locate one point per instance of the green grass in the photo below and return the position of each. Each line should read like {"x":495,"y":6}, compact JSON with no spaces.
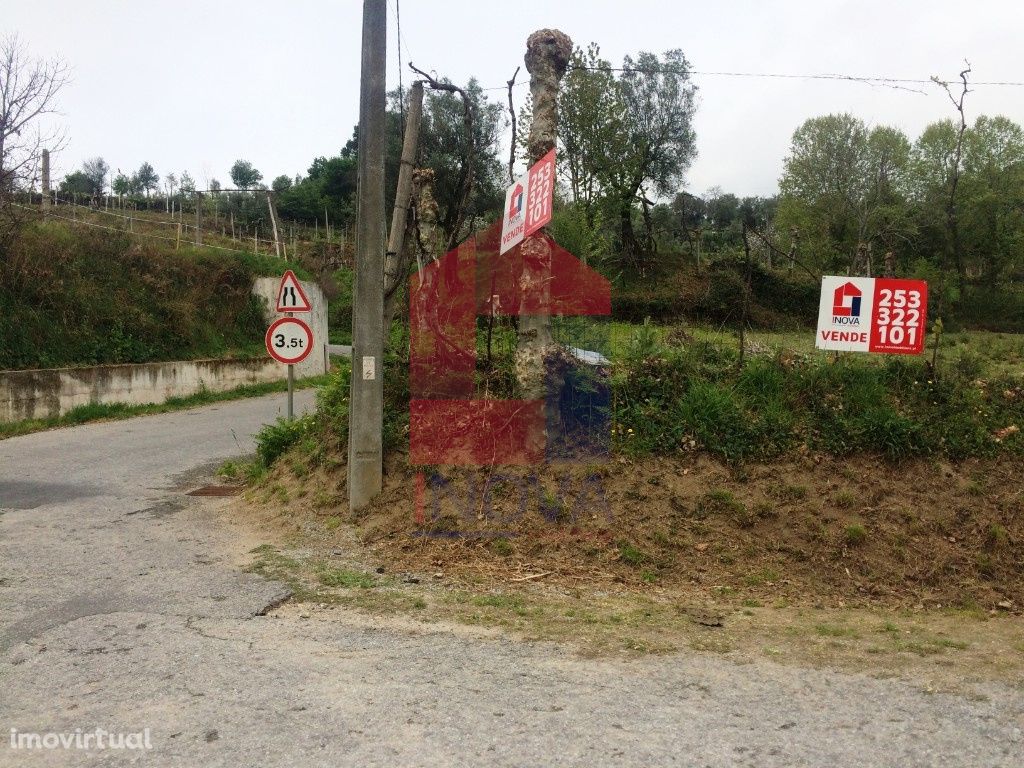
{"x":114,"y":411}
{"x":344,"y":577}
{"x":855,"y":535}
{"x":998,"y":353}
{"x":834,"y":630}
{"x":694,"y":395}
{"x":76,"y":296}
{"x":631,"y":555}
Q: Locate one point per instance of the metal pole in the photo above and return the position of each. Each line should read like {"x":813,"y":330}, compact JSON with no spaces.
{"x":366,"y":412}
{"x":291,"y":393}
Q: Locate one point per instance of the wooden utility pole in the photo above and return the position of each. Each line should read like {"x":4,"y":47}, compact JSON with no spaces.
{"x":366,"y":406}
{"x":46,"y":181}
{"x":273,"y":223}
{"x":199,"y":219}
{"x":395,"y":261}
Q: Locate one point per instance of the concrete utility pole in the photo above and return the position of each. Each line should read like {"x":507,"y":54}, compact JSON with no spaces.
{"x":366,"y":406}
{"x":46,"y":181}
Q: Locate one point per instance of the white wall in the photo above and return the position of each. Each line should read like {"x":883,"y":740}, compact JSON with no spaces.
{"x":54,"y":391}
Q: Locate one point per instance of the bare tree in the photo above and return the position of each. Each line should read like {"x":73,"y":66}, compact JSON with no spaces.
{"x":952,"y":222}
{"x":28,"y":92}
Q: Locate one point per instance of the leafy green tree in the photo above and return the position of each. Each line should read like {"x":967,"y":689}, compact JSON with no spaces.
{"x":444,"y":148}
{"x":281,"y":183}
{"x":992,"y":196}
{"x":121,"y":185}
{"x":244,"y":175}
{"x":76,"y":183}
{"x":145,"y":179}
{"x":589,"y":123}
{"x":844,"y":190}
{"x":96,"y":169}
{"x":187,"y":185}
{"x":722,"y":209}
{"x":660,"y":102}
{"x":630,"y":138}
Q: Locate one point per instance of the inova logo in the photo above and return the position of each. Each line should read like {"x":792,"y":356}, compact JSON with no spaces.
{"x":846,"y":305}
{"x":516,"y":206}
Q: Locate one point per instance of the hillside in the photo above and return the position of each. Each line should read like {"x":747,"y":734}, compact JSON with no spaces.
{"x":79,"y":295}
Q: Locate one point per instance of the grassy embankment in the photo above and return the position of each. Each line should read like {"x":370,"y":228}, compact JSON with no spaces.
{"x":71,"y":295}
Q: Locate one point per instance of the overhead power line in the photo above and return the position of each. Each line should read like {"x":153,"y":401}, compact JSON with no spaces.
{"x":789,"y":76}
{"x":864,"y":79}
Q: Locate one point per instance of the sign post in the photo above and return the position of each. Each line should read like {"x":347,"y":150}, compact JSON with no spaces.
{"x":866,"y":314}
{"x":290,"y":340}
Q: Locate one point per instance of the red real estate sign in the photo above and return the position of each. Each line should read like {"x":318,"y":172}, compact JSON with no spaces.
{"x":867,"y":314}
{"x":528,"y":203}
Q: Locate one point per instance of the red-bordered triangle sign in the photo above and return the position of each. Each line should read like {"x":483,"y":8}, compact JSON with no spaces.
{"x":290,"y":296}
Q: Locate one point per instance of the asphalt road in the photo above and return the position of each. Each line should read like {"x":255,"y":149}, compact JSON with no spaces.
{"x":119,"y":610}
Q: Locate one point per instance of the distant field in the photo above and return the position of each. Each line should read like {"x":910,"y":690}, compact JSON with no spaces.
{"x":998,"y":352}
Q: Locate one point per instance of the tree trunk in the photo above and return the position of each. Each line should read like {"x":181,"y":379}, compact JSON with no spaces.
{"x":630,"y":246}
{"x":547,"y":57}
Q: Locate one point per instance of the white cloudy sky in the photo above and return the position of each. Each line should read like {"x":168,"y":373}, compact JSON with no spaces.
{"x":193,"y":85}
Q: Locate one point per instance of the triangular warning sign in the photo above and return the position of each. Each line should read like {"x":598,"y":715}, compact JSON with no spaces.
{"x":290,"y":296}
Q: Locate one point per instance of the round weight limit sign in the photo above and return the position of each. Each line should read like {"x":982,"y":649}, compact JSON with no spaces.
{"x":289,"y":340}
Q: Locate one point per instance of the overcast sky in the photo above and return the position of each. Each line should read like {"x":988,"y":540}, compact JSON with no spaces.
{"x":195,"y":85}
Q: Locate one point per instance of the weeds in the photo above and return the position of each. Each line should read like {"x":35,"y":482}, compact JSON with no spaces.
{"x":855,"y":535}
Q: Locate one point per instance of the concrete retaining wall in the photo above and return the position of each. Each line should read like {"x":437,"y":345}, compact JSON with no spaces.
{"x":54,"y":391}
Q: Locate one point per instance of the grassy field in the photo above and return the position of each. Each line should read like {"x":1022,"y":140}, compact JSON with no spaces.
{"x":1001,"y":353}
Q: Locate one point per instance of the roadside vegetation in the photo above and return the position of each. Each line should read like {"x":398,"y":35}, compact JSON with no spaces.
{"x":77,"y":296}
{"x":115,"y":411}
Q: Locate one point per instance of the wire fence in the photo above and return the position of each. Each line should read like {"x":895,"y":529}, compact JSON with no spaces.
{"x":132,"y":222}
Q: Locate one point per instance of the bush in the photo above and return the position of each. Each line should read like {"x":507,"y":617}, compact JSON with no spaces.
{"x":274,"y":440}
{"x":697,"y":396}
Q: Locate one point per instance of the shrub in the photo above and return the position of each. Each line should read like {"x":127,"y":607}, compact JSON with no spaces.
{"x":274,"y":440}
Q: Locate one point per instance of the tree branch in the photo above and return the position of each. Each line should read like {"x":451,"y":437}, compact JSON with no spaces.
{"x":466,"y":181}
{"x":512,"y":114}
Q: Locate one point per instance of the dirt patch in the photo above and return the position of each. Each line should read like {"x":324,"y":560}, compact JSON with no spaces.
{"x":812,"y":531}
{"x":910,"y":569}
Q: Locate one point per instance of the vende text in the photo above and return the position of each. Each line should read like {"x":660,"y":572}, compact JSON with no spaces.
{"x":854,"y":336}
